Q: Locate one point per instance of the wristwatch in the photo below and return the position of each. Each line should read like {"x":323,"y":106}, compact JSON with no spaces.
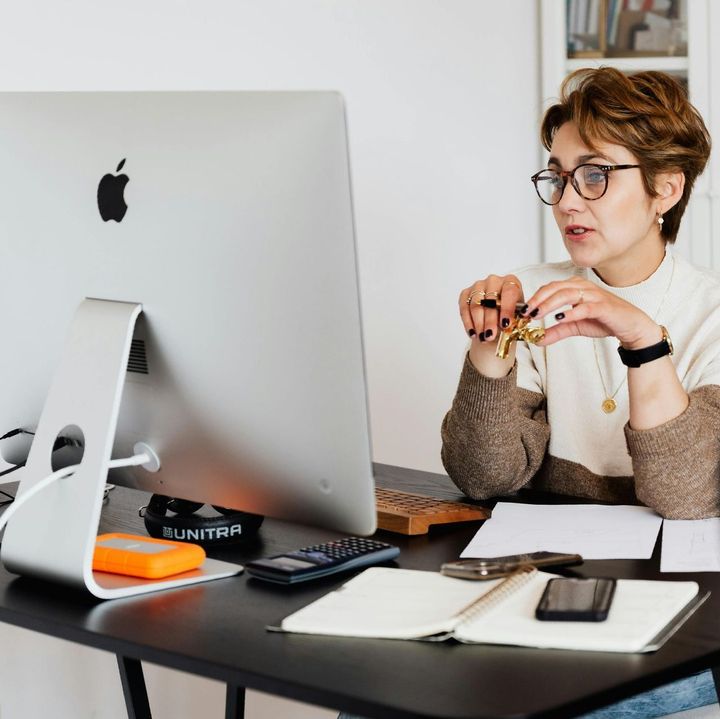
{"x":635,"y":358}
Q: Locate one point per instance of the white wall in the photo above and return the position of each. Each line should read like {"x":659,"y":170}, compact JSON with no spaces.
{"x":442,"y":100}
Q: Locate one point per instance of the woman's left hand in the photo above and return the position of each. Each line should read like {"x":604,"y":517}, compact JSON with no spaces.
{"x":594,"y":313}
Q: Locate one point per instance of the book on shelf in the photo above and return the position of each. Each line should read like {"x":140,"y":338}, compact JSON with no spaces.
{"x":623,"y":27}
{"x":390,"y":603}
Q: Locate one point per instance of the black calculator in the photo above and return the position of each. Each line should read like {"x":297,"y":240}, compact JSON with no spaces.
{"x":319,"y":560}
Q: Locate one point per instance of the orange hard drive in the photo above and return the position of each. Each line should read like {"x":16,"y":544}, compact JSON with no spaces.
{"x":146,"y":557}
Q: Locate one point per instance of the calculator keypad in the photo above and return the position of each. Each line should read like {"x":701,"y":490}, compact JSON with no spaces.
{"x":341,"y":549}
{"x":320,"y":560}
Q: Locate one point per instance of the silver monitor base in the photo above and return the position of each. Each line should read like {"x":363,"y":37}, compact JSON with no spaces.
{"x":52,"y":536}
{"x":111,"y":586}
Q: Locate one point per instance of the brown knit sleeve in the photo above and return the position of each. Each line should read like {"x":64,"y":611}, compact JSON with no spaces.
{"x":677,"y":465}
{"x":495,"y":435}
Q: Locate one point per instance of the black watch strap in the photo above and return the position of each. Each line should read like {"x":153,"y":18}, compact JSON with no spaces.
{"x":635,"y":358}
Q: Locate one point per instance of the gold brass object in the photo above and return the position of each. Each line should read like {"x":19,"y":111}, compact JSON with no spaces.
{"x":518,"y":330}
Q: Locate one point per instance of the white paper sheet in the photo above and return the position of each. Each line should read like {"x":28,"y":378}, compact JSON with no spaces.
{"x":690,"y":545}
{"x":591,"y":530}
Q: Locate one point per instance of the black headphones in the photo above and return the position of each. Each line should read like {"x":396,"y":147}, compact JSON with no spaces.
{"x":230,"y":527}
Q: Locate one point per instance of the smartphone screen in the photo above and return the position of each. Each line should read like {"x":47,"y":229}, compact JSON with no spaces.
{"x":571,"y":599}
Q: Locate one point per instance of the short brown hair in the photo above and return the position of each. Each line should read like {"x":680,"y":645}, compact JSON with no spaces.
{"x":648,"y":113}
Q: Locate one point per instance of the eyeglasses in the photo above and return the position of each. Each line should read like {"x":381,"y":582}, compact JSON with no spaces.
{"x":589,"y":181}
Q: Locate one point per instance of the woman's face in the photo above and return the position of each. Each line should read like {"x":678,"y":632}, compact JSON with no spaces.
{"x":618,"y":234}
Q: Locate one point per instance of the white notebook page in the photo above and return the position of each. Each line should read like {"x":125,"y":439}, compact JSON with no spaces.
{"x":388,"y":602}
{"x":640,"y":610}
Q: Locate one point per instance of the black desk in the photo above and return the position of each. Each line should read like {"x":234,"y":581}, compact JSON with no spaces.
{"x":217,"y":630}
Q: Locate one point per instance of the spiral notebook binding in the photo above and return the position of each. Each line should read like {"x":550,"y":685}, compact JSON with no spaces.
{"x":510,"y":584}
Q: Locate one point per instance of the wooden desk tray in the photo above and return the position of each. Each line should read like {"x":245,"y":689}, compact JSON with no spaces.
{"x":407,"y":513}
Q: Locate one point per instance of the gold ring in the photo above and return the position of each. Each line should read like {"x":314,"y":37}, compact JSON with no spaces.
{"x":510,"y":282}
{"x":580,"y":297}
{"x":496,"y":295}
{"x":475,"y":292}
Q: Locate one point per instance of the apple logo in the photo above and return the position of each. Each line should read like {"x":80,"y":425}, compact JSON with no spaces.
{"x":110,"y":199}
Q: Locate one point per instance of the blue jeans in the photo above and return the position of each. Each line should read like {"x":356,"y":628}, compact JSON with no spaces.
{"x":692,"y":692}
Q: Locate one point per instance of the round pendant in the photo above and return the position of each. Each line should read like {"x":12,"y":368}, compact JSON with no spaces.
{"x":609,"y":405}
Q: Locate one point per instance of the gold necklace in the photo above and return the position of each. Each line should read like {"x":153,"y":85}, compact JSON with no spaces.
{"x":609,"y":404}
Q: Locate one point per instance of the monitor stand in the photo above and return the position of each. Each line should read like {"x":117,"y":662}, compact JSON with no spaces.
{"x":52,"y":536}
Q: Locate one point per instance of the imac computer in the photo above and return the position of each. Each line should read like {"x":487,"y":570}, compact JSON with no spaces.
{"x":209,"y":237}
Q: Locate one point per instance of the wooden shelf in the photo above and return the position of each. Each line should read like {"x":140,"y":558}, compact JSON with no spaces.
{"x":664,"y":63}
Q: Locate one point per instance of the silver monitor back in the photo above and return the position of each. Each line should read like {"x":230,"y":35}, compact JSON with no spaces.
{"x":247,"y":374}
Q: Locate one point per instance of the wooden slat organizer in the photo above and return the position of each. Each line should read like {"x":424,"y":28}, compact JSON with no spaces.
{"x":407,"y":513}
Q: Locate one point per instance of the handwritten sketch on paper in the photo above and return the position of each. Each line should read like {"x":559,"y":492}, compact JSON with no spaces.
{"x":691,"y":545}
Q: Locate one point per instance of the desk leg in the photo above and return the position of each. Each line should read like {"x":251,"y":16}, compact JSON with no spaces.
{"x":234,"y":702}
{"x":133,"y":684}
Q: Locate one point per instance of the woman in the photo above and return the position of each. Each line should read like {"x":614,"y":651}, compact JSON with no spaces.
{"x":607,"y":406}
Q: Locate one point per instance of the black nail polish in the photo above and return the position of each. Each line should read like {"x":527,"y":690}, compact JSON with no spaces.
{"x":471,"y":332}
{"x":523,"y":309}
{"x":488,"y":333}
{"x":560,"y":316}
{"x":534,"y":312}
{"x":481,"y":337}
{"x":505,"y":322}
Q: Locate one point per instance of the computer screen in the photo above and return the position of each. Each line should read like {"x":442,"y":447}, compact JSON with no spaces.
{"x":227,"y":216}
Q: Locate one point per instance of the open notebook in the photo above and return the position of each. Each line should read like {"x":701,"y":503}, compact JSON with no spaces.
{"x":384,"y":602}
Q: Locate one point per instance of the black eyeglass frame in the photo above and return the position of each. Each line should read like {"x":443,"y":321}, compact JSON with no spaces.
{"x":564,"y":174}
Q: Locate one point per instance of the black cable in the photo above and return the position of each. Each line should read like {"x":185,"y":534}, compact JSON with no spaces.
{"x":8,"y":435}
{"x":12,"y":469}
{"x":15,"y":432}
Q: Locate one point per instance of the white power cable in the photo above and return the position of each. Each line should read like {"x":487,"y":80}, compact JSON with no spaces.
{"x":133,"y":461}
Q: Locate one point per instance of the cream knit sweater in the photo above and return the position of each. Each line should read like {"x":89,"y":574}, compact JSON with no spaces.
{"x":543,"y":424}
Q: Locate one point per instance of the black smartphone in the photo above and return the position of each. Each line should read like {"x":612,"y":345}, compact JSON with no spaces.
{"x":493,"y":567}
{"x":571,"y":599}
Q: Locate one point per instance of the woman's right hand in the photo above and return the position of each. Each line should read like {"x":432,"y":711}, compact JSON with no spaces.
{"x":483,"y":322}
